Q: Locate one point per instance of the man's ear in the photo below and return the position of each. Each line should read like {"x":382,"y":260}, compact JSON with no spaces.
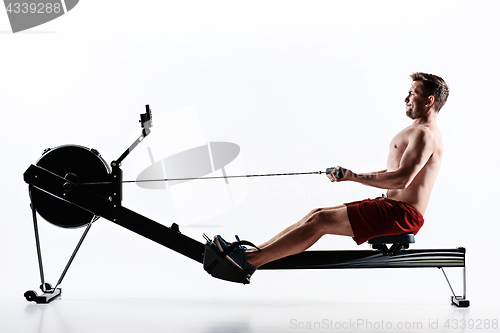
{"x":430,"y":101}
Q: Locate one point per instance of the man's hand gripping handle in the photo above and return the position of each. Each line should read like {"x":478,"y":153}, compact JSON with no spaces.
{"x":339,"y":173}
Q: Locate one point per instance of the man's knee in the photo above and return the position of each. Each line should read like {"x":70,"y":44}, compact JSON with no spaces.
{"x":315,"y":210}
{"x":331,"y":221}
{"x":320,"y":216}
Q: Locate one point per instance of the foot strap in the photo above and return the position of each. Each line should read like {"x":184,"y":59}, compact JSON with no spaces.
{"x":234,"y":245}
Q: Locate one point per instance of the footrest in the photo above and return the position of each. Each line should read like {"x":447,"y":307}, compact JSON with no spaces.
{"x":219,"y":267}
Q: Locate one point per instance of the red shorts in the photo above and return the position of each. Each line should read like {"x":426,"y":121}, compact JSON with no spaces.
{"x":372,"y":218}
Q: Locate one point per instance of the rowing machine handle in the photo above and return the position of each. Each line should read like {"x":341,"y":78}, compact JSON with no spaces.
{"x":339,"y":174}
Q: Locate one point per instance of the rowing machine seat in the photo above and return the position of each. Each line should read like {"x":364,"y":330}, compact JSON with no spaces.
{"x":398,"y":242}
{"x":398,"y":239}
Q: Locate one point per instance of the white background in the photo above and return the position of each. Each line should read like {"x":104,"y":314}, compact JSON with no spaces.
{"x":299,"y":86}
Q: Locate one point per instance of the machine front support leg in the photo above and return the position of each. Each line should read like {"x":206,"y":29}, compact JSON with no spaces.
{"x":38,"y":248}
{"x":50,"y":293}
{"x":70,"y":261}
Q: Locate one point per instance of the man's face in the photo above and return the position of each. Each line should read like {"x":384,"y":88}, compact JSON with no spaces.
{"x":416,"y":101}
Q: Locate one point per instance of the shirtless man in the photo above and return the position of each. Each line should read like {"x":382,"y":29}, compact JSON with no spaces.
{"x":412,"y":166}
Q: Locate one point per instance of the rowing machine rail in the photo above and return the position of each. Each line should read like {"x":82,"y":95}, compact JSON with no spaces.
{"x":221,"y":268}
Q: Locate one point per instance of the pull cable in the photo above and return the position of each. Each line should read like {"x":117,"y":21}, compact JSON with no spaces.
{"x":339,"y":173}
{"x":214,"y":177}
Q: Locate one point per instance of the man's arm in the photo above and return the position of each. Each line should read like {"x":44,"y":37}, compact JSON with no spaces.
{"x":420,"y":148}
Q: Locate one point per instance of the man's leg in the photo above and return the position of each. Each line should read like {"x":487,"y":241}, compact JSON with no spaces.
{"x":303,"y":234}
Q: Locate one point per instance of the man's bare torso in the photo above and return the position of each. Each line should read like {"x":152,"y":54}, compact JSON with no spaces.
{"x":418,"y":192}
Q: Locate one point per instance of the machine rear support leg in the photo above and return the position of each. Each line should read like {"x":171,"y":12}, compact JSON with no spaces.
{"x":459,"y":301}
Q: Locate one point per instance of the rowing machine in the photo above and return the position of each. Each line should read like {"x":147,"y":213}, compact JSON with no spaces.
{"x":72,"y":186}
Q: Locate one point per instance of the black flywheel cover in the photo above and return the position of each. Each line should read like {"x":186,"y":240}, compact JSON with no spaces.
{"x":88,"y":167}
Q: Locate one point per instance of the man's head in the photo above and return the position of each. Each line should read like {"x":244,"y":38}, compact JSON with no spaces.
{"x":427,"y":94}
{"x":432,"y":85}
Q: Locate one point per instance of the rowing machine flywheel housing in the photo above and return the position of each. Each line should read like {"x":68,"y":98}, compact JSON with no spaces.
{"x":79,"y":165}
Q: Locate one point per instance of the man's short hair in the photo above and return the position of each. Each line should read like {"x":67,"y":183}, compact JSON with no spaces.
{"x":433,"y":85}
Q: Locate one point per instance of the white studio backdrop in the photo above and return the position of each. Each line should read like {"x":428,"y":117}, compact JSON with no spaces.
{"x":298,"y":86}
